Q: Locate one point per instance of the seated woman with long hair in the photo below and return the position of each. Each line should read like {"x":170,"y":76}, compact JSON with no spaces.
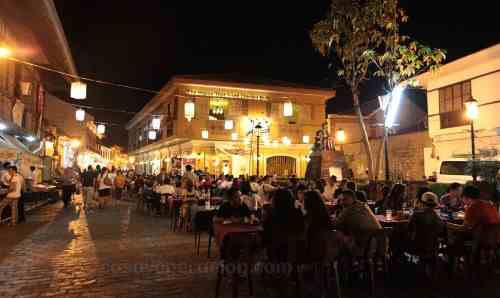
{"x":317,"y":224}
{"x":284,"y":224}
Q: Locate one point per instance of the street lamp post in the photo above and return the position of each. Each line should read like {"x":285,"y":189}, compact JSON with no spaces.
{"x":471,"y":108}
{"x":257,"y":128}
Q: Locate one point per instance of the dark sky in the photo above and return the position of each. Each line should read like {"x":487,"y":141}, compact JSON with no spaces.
{"x":143,"y":43}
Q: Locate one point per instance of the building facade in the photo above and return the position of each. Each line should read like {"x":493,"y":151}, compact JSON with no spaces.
{"x":39,"y":128}
{"x":474,"y":76}
{"x":214,"y":124}
{"x":407,"y":139}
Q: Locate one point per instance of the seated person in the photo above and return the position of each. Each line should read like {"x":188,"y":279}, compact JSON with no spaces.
{"x":233,"y":210}
{"x":355,"y":221}
{"x":480,"y":212}
{"x":425,"y":225}
{"x":283,"y":223}
{"x":453,"y":198}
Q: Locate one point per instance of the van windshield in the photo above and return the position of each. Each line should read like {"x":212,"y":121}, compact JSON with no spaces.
{"x":464,"y":168}
{"x":455,"y":168}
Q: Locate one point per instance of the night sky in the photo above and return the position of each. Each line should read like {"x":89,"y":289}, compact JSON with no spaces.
{"x":144,"y":43}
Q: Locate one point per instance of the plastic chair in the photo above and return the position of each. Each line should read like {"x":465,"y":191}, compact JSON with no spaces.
{"x":202,"y":222}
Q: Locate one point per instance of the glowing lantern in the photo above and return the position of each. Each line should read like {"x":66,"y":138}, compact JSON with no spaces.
{"x":80,"y":115}
{"x":305,"y":139}
{"x":340,"y":135}
{"x":78,"y":90}
{"x":288,"y":109}
{"x":5,"y":52}
{"x":189,"y":110}
{"x":152,"y":135}
{"x":156,"y":123}
{"x":286,"y":141}
{"x":234,"y":136}
{"x":228,"y":124}
{"x":204,"y":134}
{"x":101,"y":129}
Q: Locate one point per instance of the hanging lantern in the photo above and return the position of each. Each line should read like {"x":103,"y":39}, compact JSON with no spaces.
{"x":204,"y":134}
{"x":228,"y":124}
{"x":80,"y":115}
{"x":101,"y":129}
{"x":234,"y":136}
{"x":305,"y":139}
{"x":288,"y":109}
{"x":78,"y":90}
{"x":189,"y":110}
{"x":286,"y":141}
{"x":152,"y":135}
{"x":156,"y":123}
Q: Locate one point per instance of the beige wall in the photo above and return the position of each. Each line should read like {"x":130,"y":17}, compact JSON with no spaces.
{"x":406,"y":156}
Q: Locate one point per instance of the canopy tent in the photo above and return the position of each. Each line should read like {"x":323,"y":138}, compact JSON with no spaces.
{"x":11,"y":149}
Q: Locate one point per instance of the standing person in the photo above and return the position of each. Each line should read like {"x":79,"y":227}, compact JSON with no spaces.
{"x":190,"y":175}
{"x":88,"y":184}
{"x":396,"y":198}
{"x":31,"y":180}
{"x":68,"y":185}
{"x":14,"y":195}
{"x":104,"y":184}
{"x":119,"y":185}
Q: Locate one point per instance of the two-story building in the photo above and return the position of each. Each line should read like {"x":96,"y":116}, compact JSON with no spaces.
{"x":477,"y":76}
{"x":214,"y":122}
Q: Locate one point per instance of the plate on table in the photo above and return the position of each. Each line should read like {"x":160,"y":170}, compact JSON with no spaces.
{"x":227,"y":222}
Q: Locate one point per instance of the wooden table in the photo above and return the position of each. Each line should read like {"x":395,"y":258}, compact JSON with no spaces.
{"x":393,"y":221}
{"x":222,"y":230}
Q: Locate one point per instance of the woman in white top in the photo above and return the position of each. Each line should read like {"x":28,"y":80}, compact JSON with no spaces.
{"x":104,"y":184}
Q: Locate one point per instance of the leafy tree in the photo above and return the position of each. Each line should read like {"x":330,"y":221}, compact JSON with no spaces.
{"x":362,"y":38}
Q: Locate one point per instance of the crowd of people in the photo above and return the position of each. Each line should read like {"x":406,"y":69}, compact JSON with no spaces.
{"x":285,"y":207}
{"x":293,"y":207}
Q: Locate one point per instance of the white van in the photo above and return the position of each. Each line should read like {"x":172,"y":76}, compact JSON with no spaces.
{"x":458,"y":170}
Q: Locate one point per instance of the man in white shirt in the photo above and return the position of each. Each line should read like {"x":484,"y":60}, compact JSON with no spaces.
{"x":13,"y":195}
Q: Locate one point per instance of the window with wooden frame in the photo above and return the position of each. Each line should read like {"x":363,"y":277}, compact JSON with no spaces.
{"x":451,"y":104}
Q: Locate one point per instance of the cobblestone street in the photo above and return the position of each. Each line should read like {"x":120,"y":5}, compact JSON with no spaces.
{"x":119,"y":252}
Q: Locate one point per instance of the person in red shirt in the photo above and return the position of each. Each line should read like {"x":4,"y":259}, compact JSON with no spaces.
{"x":479,"y":212}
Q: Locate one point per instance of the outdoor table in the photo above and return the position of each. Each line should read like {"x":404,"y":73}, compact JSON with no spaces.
{"x":222,"y":230}
{"x":331,"y":207}
{"x":392,"y":221}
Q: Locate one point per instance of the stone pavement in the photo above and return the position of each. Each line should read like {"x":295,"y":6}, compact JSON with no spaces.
{"x":119,"y":252}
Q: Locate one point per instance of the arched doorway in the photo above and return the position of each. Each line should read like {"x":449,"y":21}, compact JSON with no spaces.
{"x":281,"y":166}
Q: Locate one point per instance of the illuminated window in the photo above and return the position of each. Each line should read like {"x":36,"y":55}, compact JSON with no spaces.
{"x":218,"y":109}
{"x":451,"y":104}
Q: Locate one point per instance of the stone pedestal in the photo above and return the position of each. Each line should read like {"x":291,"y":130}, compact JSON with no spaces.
{"x":321,"y":162}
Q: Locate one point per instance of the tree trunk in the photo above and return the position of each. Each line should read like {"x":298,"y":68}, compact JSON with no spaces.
{"x":366,"y":141}
{"x":379,"y":158}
